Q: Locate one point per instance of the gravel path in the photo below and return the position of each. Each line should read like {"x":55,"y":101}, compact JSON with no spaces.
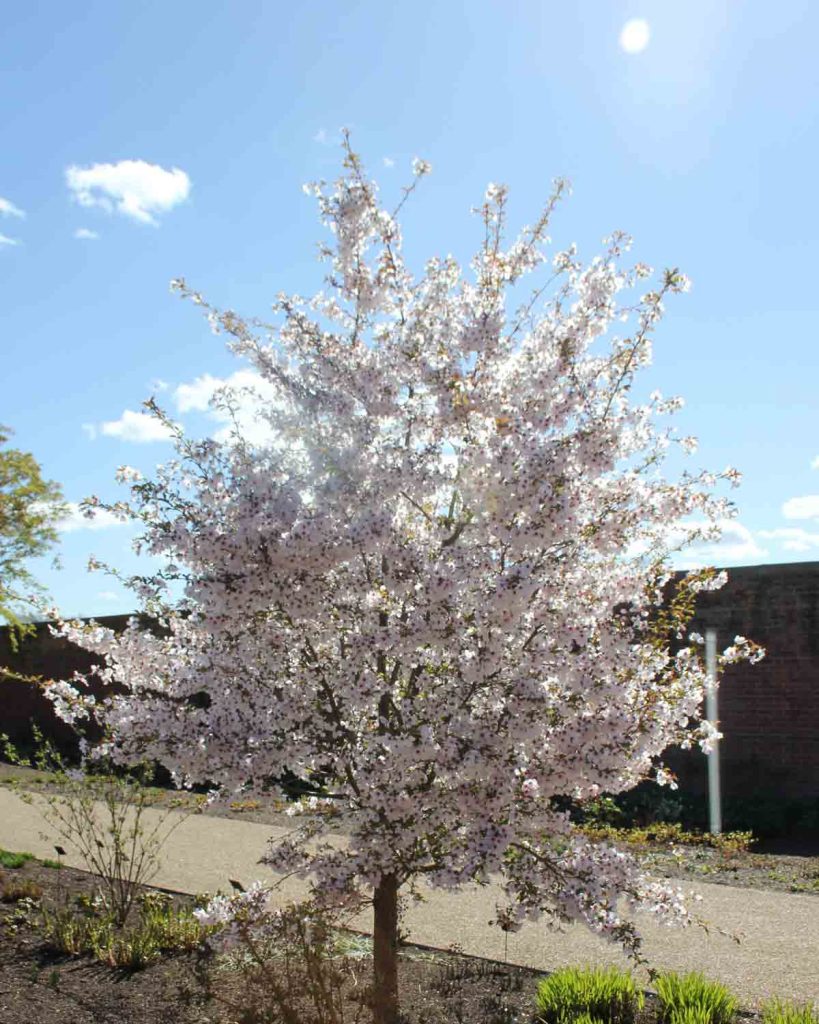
{"x":778,"y":951}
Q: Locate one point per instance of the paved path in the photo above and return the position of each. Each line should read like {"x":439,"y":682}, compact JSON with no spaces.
{"x":778,"y":953}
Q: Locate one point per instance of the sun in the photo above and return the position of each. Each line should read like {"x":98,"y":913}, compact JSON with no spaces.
{"x":635,"y":35}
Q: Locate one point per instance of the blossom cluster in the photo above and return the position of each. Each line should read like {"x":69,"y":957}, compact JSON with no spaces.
{"x":430,"y":595}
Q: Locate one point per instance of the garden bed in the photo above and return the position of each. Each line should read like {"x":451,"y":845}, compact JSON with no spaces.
{"x":40,"y":986}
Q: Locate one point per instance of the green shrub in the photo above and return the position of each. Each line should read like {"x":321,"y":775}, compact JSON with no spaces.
{"x":692,"y":999}
{"x":72,"y":933}
{"x":786,"y":1012}
{"x":604,"y":995}
{"x":667,"y":834}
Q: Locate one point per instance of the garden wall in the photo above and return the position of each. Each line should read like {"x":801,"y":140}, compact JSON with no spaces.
{"x":769,"y":712}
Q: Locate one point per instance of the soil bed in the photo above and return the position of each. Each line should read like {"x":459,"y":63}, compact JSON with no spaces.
{"x":38,"y":986}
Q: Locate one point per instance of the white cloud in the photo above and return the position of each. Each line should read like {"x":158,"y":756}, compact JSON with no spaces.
{"x":635,"y":35}
{"x":322,"y":137}
{"x":139,"y":427}
{"x":132,"y":187}
{"x":197,"y":395}
{"x":388,"y":161}
{"x":159,"y":384}
{"x":792,"y":538}
{"x":806,"y":507}
{"x":108,"y":595}
{"x":90,"y":431}
{"x":252,"y":394}
{"x":736,"y":546}
{"x":815,"y":463}
{"x":75,"y":520}
{"x":5,"y":240}
{"x":8,"y":209}
{"x":85,"y":233}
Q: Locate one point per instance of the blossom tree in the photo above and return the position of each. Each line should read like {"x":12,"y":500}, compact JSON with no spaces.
{"x":434,"y":585}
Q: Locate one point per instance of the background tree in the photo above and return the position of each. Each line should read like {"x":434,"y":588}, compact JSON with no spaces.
{"x":30,"y":508}
{"x":434,"y":591}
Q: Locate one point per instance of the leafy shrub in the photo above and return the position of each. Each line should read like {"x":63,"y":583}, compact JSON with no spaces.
{"x":667,"y":833}
{"x":786,"y":1012}
{"x":605,"y":995}
{"x":692,"y":999}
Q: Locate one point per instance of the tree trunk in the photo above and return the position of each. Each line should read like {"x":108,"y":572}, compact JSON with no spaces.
{"x":385,"y":951}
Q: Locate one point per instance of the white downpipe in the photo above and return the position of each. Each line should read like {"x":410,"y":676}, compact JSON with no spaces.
{"x":712,"y":714}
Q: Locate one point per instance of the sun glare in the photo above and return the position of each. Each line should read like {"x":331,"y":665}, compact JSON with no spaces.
{"x":635,"y":35}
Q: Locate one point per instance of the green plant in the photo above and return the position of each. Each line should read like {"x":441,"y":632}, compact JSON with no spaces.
{"x":89,"y":929}
{"x":667,"y":833}
{"x":30,"y":509}
{"x":692,"y":999}
{"x":605,"y":995}
{"x":786,"y":1012}
{"x":14,"y":860}
{"x":72,"y":933}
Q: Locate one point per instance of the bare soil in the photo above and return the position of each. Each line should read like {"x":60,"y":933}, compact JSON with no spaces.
{"x":39,"y":986}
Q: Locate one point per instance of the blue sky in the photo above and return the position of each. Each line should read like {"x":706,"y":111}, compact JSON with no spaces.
{"x":703,"y":145}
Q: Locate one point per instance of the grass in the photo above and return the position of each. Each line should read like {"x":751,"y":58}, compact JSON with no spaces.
{"x":604,"y":995}
{"x":693,"y":999}
{"x":14,"y":860}
{"x":786,"y":1012}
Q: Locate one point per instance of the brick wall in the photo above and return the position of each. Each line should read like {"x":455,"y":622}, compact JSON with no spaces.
{"x":49,"y":657}
{"x":769,"y":712}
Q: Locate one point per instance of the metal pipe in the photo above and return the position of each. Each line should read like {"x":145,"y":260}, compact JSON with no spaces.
{"x":712,"y":714}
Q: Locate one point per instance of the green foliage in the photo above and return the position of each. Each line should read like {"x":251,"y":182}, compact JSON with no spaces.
{"x":786,"y":1012}
{"x":764,"y":814}
{"x":668,"y":833}
{"x":30,"y":508}
{"x":14,"y":860}
{"x":88,"y":929}
{"x":692,"y":999}
{"x":602,"y":995}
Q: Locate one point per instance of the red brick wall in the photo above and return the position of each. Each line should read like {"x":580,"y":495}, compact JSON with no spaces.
{"x":49,"y":657}
{"x":769,"y":712}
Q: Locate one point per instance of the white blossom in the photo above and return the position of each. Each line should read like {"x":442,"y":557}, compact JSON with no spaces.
{"x":431,"y":594}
